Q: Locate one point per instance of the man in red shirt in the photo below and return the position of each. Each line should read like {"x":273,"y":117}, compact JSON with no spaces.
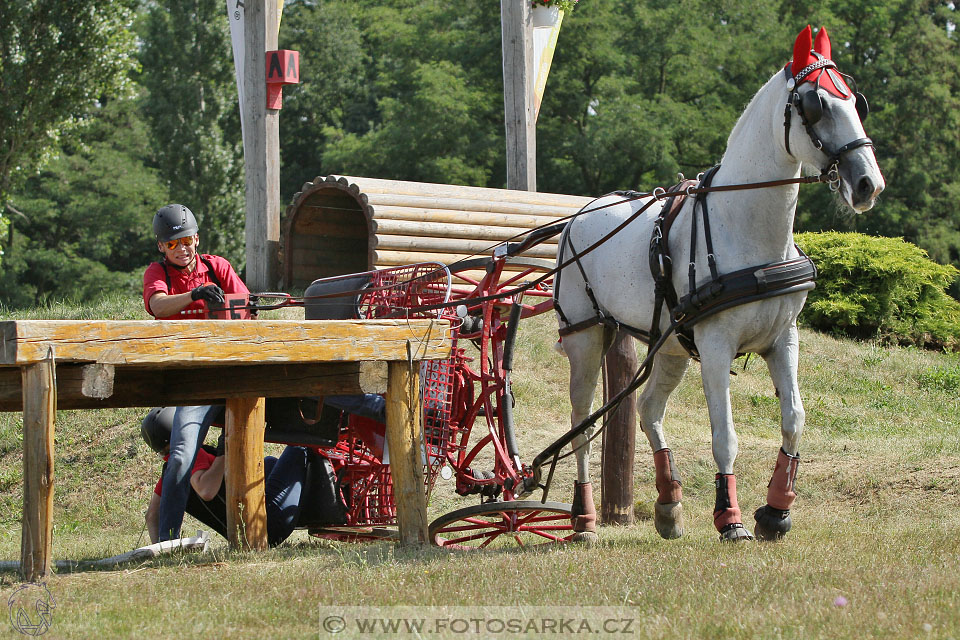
{"x":180,"y":287}
{"x":182,"y":284}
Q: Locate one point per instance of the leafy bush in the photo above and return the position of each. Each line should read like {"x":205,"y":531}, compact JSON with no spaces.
{"x":880,"y":287}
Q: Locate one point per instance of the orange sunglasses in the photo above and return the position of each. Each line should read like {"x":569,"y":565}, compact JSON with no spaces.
{"x":172,"y":244}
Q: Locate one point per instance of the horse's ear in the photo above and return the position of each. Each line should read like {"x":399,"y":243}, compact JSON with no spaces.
{"x":822,"y":43}
{"x":801,"y":50}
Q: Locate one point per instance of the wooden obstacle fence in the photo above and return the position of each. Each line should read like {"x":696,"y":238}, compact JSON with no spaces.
{"x":47,"y":365}
{"x":343,"y":224}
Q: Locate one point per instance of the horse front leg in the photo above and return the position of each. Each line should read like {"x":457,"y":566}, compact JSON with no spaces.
{"x":585,"y":351}
{"x":716,"y":356}
{"x":773,"y":519}
{"x":666,"y":375}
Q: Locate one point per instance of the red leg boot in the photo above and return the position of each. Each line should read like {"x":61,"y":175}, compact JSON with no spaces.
{"x":726,"y":512}
{"x":773,"y":519}
{"x":583,"y":514}
{"x":668,"y":512}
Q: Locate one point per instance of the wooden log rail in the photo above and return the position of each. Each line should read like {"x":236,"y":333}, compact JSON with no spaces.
{"x":345,"y":224}
{"x":77,"y":364}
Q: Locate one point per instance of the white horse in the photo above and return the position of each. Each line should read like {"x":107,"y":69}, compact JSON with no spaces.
{"x":823,"y":129}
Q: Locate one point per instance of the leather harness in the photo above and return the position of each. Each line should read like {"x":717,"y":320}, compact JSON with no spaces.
{"x":719,"y":293}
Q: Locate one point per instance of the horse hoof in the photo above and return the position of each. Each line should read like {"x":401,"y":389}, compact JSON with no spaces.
{"x":586,"y":538}
{"x":735,"y":532}
{"x":772,"y":523}
{"x":668,"y":519}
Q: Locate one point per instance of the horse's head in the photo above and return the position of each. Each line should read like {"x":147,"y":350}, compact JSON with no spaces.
{"x":832,"y":114}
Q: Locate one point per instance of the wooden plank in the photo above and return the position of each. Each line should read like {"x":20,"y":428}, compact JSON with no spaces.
{"x":329,"y":228}
{"x":398,"y":258}
{"x":246,"y":502}
{"x":221,"y":342}
{"x":484,"y":206}
{"x":479,"y":218}
{"x":454,"y":245}
{"x":39,"y":413}
{"x":456,"y":231}
{"x":321,"y":251}
{"x":137,"y":386}
{"x":404,"y":440}
{"x":371,"y":186}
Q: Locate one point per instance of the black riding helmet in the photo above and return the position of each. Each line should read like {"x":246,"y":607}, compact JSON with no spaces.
{"x":157,"y":426}
{"x":174,"y":221}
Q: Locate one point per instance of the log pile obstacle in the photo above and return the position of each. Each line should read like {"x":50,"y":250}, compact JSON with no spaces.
{"x":344,"y":224}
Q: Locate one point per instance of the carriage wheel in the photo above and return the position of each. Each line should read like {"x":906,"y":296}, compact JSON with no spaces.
{"x":525,"y":523}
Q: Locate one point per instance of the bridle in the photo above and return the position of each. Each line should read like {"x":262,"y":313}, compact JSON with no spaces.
{"x":810,"y":108}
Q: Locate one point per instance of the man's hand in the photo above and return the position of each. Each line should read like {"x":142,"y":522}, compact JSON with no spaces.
{"x":209,"y":292}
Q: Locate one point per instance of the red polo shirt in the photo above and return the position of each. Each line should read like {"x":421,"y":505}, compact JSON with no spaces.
{"x":204,"y":460}
{"x":155,"y":280}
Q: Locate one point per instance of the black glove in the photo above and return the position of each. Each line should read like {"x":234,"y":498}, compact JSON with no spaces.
{"x":208,"y":292}
{"x":221,"y":443}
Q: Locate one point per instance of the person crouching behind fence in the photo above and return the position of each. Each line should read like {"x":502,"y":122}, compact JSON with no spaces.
{"x":284,"y":486}
{"x":181,"y":286}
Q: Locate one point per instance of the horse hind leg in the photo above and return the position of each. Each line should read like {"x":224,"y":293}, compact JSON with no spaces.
{"x":585,"y":352}
{"x":773,"y":519}
{"x":651,"y":406}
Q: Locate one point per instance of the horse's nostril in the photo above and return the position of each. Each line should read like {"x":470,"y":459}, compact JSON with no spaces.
{"x":864,"y":188}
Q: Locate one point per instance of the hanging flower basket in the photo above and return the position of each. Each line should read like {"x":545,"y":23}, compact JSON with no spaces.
{"x":545,"y":16}
{"x":547,"y":12}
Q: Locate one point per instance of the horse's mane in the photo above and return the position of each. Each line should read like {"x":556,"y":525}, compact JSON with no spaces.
{"x":749,"y":109}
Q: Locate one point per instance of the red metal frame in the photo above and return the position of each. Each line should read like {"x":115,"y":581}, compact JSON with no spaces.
{"x":455,"y":392}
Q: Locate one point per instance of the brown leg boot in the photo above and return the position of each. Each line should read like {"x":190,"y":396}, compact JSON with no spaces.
{"x":773,"y":519}
{"x":668,"y":512}
{"x":726,"y":511}
{"x":583,"y":514}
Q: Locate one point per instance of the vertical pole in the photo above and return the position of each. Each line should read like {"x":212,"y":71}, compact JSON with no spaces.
{"x":518,"y":101}
{"x":619,"y":438}
{"x":39,"y":413}
{"x":246,"y":503}
{"x":261,"y":148}
{"x":404,"y":440}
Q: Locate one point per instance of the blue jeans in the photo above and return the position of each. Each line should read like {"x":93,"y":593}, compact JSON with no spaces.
{"x":285,"y":478}
{"x":368,"y":405}
{"x":190,"y":426}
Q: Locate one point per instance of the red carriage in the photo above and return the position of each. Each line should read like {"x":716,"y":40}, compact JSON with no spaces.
{"x":466,"y":399}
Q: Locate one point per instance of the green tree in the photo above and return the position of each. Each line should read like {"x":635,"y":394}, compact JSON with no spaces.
{"x":56,"y":60}
{"x":435,"y":111}
{"x":333,"y":92}
{"x":192,"y":111}
{"x":85,"y":228}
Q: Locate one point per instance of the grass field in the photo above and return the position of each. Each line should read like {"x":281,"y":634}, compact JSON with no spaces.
{"x":874,"y":552}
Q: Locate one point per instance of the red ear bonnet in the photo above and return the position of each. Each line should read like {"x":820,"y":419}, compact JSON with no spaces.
{"x":801,"y":51}
{"x":805,"y":52}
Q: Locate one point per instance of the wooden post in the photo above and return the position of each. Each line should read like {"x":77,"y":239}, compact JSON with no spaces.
{"x":261,"y":148}
{"x":39,"y":413}
{"x":619,"y":438}
{"x":518,"y":102}
{"x":405,"y":444}
{"x":246,"y":503}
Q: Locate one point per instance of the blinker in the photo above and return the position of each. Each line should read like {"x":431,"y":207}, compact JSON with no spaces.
{"x":810,"y":106}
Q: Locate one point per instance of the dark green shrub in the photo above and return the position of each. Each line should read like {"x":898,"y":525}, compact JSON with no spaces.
{"x":880,"y":287}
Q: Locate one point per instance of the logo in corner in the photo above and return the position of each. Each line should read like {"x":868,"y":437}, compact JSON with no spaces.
{"x":31,"y":608}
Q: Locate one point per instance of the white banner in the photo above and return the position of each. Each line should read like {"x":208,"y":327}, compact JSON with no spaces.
{"x":235,"y":15}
